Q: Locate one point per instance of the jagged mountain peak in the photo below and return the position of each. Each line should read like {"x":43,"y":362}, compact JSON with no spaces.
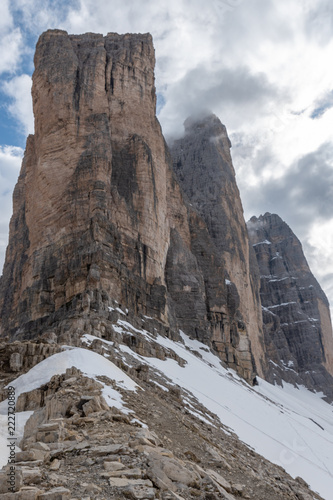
{"x":271,"y":223}
{"x":111,"y":222}
{"x":201,"y":121}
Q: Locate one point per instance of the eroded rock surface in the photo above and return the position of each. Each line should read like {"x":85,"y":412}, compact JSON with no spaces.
{"x":90,"y":205}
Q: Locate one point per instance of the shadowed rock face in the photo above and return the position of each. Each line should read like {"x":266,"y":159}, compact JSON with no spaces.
{"x":204,"y":169}
{"x":297,"y":325}
{"x":100,"y":216}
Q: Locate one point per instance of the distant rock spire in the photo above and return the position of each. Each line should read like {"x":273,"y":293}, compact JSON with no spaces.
{"x":296,"y":317}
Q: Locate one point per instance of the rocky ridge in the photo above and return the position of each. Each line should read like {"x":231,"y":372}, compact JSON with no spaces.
{"x":296,"y":317}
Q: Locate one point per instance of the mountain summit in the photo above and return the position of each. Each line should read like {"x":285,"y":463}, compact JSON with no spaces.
{"x":105,"y":212}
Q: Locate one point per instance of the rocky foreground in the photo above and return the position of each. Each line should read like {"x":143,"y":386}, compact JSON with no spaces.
{"x":77,"y":447}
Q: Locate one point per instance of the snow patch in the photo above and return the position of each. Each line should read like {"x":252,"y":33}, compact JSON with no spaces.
{"x":279,"y":423}
{"x":284,"y":424}
{"x":265,"y":242}
{"x":283,"y":304}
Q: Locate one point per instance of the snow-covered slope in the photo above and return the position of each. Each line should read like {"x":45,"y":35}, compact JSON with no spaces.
{"x":291,"y":427}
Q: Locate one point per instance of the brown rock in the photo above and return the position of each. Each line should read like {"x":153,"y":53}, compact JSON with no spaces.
{"x":219,"y":479}
{"x":113,"y":466}
{"x":103,"y":213}
{"x":31,"y":475}
{"x":95,"y":404}
{"x":25,"y":493}
{"x":110,"y":220}
{"x":164,"y":471}
{"x":11,"y":476}
{"x":25,"y":456}
{"x":96,"y":125}
{"x":109,"y":449}
{"x":59,"y":493}
{"x":16,"y":362}
{"x":121,"y":482}
{"x":55,"y":464}
{"x":28,"y":401}
{"x":40,"y":446}
{"x":139,"y":492}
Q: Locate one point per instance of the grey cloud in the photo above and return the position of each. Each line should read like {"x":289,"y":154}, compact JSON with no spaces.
{"x":301,"y":196}
{"x":319,"y":21}
{"x":327,"y":282}
{"x":231,"y":92}
{"x":245,"y":28}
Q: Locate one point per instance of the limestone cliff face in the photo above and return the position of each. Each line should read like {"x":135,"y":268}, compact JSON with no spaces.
{"x":296,"y":317}
{"x":100,"y":217}
{"x":204,"y":169}
{"x":89,"y":218}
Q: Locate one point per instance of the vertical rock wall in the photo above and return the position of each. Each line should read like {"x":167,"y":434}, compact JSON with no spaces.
{"x":104,"y":212}
{"x":89,"y":216}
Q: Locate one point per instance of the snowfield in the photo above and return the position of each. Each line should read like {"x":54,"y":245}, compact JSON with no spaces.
{"x":290,"y":427}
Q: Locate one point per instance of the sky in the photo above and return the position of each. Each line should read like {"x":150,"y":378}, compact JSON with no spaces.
{"x":264,"y":67}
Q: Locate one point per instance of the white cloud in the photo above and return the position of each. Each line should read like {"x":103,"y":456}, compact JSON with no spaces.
{"x":302,"y":196}
{"x":19,"y":90}
{"x":10,"y":49}
{"x":10,"y":162}
{"x":318,"y":248}
{"x":10,"y":40}
{"x":6,"y":19}
{"x":39,"y":15}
